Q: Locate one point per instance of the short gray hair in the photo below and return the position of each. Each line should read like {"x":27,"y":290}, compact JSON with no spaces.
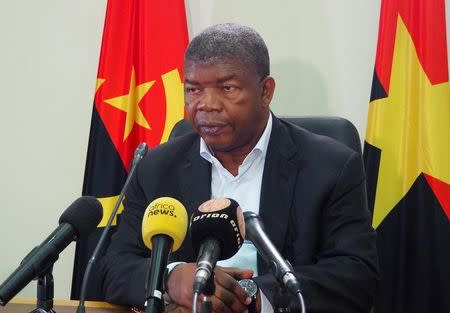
{"x":230,"y":41}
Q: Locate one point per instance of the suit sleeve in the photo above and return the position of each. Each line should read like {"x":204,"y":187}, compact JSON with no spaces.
{"x":126,"y":263}
{"x":344,"y":277}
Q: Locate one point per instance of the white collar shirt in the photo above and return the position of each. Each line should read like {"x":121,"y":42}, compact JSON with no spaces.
{"x":245,"y":188}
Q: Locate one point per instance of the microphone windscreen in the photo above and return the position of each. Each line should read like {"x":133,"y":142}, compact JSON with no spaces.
{"x":83,"y":214}
{"x":222,"y":220}
{"x":165,"y":216}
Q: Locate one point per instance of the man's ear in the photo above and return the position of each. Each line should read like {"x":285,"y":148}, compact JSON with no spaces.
{"x":268,"y":88}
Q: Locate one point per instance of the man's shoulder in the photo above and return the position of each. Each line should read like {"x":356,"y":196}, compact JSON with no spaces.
{"x":174,"y":150}
{"x":323,"y":156}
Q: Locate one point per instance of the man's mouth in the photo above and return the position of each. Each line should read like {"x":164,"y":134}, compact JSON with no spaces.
{"x":210,"y":130}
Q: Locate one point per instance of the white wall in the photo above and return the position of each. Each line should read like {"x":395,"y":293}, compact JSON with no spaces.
{"x":322,"y":52}
{"x":322,"y":55}
{"x":48,"y":65}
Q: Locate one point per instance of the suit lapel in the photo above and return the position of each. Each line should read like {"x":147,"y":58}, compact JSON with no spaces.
{"x":195,"y":179}
{"x":277,"y":190}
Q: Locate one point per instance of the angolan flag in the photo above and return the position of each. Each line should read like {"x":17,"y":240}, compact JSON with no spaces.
{"x":138,"y":97}
{"x":407,"y":157}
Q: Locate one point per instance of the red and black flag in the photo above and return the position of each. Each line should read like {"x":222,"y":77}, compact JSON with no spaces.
{"x":138,"y":97}
{"x":407,"y":157}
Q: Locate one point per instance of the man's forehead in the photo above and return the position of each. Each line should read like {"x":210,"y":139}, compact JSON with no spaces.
{"x":219,"y":67}
{"x":216,"y":62}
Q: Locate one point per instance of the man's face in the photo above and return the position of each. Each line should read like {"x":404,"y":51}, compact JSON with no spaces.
{"x":227,"y":103}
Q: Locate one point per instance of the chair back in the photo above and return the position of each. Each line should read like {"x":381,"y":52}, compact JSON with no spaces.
{"x":335,"y":127}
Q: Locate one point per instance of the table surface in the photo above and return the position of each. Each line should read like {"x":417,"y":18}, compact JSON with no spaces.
{"x":25,"y":305}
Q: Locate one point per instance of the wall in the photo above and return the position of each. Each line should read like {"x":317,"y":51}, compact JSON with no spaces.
{"x":322,"y":55}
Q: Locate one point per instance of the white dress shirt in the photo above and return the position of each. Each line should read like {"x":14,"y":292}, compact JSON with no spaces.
{"x":245,"y":188}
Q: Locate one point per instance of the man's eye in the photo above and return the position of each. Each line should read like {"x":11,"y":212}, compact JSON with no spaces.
{"x":191,"y":90}
{"x":228,"y":88}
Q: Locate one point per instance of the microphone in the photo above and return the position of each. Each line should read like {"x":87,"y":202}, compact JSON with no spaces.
{"x":217,"y":231}
{"x":279,"y":267}
{"x":78,"y":220}
{"x":139,"y":154}
{"x":164,"y":227}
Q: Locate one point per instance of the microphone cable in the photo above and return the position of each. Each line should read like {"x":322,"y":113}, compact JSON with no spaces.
{"x":301,"y":301}
{"x":194,"y":302}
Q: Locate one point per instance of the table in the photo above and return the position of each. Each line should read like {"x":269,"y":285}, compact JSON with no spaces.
{"x":26,"y":305}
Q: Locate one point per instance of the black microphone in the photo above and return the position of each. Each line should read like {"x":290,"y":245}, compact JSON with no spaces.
{"x":217,"y":232}
{"x":139,"y":154}
{"x":78,"y":220}
{"x":279,"y":267}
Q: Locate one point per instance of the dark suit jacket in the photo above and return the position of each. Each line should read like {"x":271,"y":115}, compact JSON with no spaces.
{"x":313,"y":204}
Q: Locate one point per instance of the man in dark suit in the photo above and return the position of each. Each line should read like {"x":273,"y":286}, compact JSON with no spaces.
{"x":309,"y":190}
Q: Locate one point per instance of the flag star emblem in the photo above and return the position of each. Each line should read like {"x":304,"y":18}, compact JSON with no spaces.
{"x":129,"y":103}
{"x":416,"y":116}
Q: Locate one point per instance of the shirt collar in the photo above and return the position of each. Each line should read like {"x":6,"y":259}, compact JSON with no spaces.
{"x":261,"y":145}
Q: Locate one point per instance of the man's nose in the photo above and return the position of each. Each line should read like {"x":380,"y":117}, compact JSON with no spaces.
{"x":210,"y":102}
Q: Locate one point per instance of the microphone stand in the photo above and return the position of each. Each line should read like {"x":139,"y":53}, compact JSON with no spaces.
{"x":139,"y":153}
{"x":154,"y":302}
{"x":45,"y":287}
{"x":281,"y":300}
{"x":45,"y":292}
{"x":210,"y":289}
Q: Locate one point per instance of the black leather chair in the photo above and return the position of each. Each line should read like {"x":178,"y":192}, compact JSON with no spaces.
{"x":337,"y":128}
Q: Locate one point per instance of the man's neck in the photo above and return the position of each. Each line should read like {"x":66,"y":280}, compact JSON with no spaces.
{"x":231,"y":160}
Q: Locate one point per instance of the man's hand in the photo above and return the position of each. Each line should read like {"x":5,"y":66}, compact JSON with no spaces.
{"x":175,"y":308}
{"x":229,"y":296}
